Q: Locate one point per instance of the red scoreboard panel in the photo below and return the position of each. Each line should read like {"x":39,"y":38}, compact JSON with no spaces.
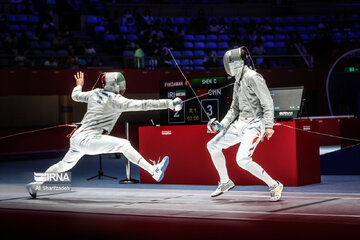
{"x":214,"y":99}
{"x":290,"y":156}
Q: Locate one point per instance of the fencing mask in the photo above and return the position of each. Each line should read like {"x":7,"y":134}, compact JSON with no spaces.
{"x":114,"y":82}
{"x":235,"y":59}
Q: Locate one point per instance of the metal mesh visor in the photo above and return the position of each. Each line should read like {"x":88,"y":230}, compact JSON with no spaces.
{"x":230,"y":57}
{"x":114,"y":82}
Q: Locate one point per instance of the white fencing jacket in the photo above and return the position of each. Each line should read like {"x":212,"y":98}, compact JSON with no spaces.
{"x":104,"y":108}
{"x":251,"y":99}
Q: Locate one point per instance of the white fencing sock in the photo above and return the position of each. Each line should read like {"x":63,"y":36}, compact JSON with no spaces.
{"x":135,"y":157}
{"x":256,"y":170}
{"x":219,"y":161}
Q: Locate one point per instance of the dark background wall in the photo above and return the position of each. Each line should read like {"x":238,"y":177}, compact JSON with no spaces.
{"x":34,"y":98}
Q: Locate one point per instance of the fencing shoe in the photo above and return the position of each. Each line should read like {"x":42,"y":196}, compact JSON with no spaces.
{"x":32,"y":191}
{"x":223,"y":187}
{"x":275,"y":192}
{"x":159,"y":169}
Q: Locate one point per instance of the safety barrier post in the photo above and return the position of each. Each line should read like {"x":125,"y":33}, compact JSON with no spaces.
{"x":128,"y":166}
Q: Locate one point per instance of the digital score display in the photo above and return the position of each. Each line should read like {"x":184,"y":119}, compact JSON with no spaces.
{"x":287,"y":101}
{"x":214,"y":100}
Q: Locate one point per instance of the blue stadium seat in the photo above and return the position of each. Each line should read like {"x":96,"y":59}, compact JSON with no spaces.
{"x":199,"y":67}
{"x":45,"y":44}
{"x":173,"y":62}
{"x":128,"y":53}
{"x":311,"y":28}
{"x":200,"y":37}
{"x":187,"y":53}
{"x":187,"y":20}
{"x":92,"y":19}
{"x":188,"y":45}
{"x":51,"y":35}
{"x":176,"y":53}
{"x":312,"y":36}
{"x":30,"y":35}
{"x":259,"y":61}
{"x":62,"y":52}
{"x":227,"y":20}
{"x":132,"y":29}
{"x":257,"y":19}
{"x":274,"y":63}
{"x":199,"y":53}
{"x":11,"y":18}
{"x":132,"y":37}
{"x":289,"y":29}
{"x":211,"y":45}
{"x":338,"y":35}
{"x":198,"y":61}
{"x":278,"y":29}
{"x":354,"y":18}
{"x":276,"y":20}
{"x":162,"y":20}
{"x":241,"y":30}
{"x":186,"y":62}
{"x":82,"y":62}
{"x":179,"y":20}
{"x":220,"y":52}
{"x":304,"y":36}
{"x":211,"y":37}
{"x":19,"y":34}
{"x":123,"y":29}
{"x":279,"y":44}
{"x":223,"y":45}
{"x":268,"y":37}
{"x":109,"y":37}
{"x":187,"y":67}
{"x":300,"y":19}
{"x":21,"y":18}
{"x":300,"y":28}
{"x":189,"y":37}
{"x":354,"y":34}
{"x":269,"y":44}
{"x":99,"y":29}
{"x":223,"y":38}
{"x":33,"y":19}
{"x":199,"y":45}
{"x":14,"y":27}
{"x":244,"y":20}
{"x":23,"y":27}
{"x":280,"y":36}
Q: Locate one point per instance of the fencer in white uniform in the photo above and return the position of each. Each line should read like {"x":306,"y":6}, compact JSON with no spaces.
{"x":250,"y":117}
{"x":104,"y":107}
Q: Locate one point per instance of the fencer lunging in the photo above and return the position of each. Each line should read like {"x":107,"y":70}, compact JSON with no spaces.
{"x":250,"y":117}
{"x":104,"y":107}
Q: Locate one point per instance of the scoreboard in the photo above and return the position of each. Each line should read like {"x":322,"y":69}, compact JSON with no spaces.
{"x":214,"y":99}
